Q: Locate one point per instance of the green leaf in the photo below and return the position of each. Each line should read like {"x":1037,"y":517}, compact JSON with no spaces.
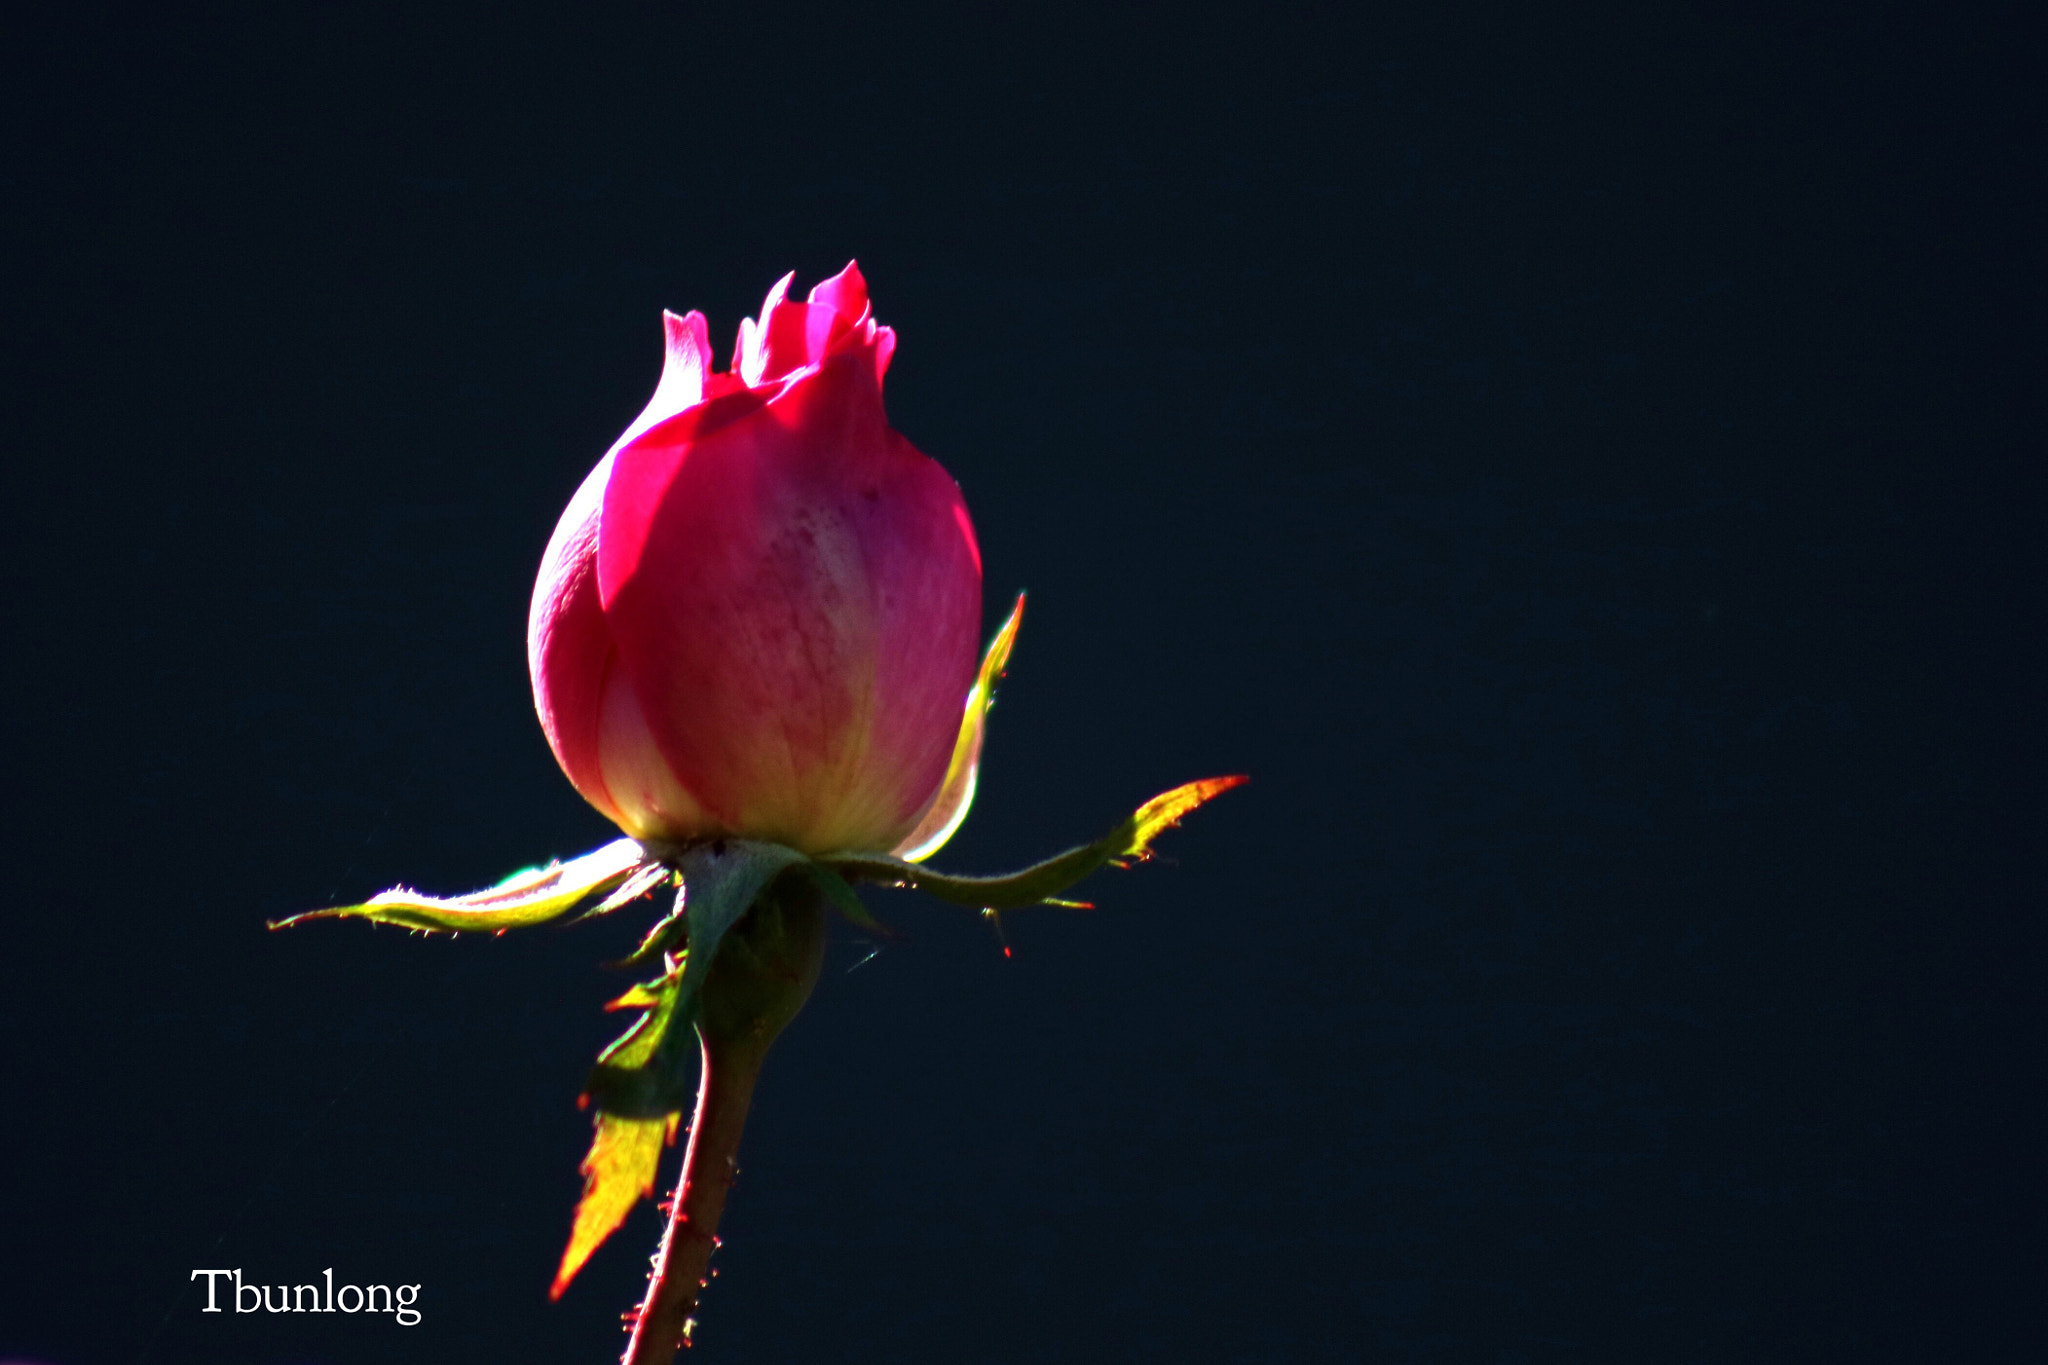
{"x":956,"y":793}
{"x":664,"y":934}
{"x":644,"y":1073}
{"x":617,"y":1174}
{"x":1043,"y":882}
{"x":533,"y":896}
{"x":641,"y":1082}
{"x":639,"y":1043}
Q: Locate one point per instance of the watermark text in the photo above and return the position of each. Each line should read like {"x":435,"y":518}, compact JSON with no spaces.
{"x":310,"y":1298}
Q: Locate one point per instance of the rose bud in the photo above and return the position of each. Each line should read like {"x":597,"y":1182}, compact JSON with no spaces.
{"x":758,"y":615}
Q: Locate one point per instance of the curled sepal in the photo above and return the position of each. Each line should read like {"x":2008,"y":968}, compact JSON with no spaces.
{"x":534,"y":896}
{"x":1042,"y":883}
{"x":956,"y":794}
{"x":618,"y":1173}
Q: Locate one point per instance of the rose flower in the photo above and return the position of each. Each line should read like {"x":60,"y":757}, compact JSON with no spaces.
{"x":758,"y":615}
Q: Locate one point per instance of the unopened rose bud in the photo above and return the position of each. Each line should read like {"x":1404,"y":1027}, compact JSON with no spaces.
{"x":758,"y":615}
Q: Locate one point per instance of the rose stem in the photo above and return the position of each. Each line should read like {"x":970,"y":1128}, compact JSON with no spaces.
{"x":763,"y":973}
{"x":709,"y":1164}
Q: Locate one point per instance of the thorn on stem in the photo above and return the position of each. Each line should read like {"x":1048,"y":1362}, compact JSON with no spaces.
{"x":996,"y":922}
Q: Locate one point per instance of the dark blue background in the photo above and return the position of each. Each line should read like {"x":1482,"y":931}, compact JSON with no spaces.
{"x":1584,"y":469}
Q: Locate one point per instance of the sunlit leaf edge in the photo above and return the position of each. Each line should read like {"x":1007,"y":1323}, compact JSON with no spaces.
{"x":526,"y":898}
{"x":963,"y":772}
{"x":1041,"y":882}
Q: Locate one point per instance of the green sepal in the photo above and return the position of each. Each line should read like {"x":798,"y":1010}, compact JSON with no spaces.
{"x":650,"y":876}
{"x":841,"y":893}
{"x":533,"y":896}
{"x":1039,"y":884}
{"x":963,"y":772}
{"x":645,"y":1073}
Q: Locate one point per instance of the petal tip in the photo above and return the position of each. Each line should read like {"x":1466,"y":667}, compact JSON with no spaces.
{"x":845,"y":293}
